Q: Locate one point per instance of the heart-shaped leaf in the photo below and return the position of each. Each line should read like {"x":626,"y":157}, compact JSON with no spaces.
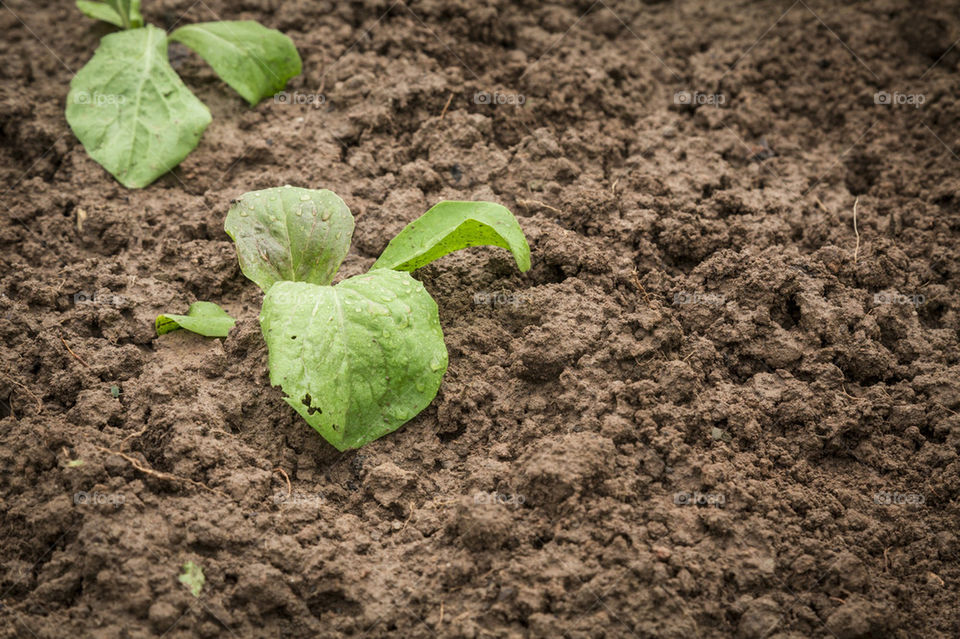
{"x":356,"y":360}
{"x":288,"y":233}
{"x":130,"y":110}
{"x":450,"y":226}
{"x":254,"y":60}
{"x":203,"y":318}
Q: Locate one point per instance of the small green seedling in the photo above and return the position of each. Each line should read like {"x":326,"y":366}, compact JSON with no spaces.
{"x":192,"y":577}
{"x":359,"y":359}
{"x":132,"y":112}
{"x":205,"y":318}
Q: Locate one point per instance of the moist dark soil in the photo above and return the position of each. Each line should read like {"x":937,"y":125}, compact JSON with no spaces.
{"x":723,"y":402}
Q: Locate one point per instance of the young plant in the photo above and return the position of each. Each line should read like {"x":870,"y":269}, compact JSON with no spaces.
{"x":132,"y":112}
{"x":359,"y":359}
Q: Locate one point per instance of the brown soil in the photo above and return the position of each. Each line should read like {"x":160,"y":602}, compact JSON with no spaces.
{"x":713,"y":407}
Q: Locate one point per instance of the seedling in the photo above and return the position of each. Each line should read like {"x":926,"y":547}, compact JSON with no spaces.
{"x":192,"y":577}
{"x":359,"y":359}
{"x":204,"y":318}
{"x":131,"y":111}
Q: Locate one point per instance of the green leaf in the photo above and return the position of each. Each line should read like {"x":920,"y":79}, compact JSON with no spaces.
{"x":254,"y":60}
{"x":356,"y":360}
{"x":203,"y":318}
{"x":106,"y":13}
{"x":289,"y":233}
{"x":131,"y":111}
{"x":192,"y":577}
{"x":450,"y":226}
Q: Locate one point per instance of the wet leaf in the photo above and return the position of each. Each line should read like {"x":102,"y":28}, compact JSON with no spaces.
{"x":106,"y":13}
{"x":291,"y":234}
{"x":130,"y":110}
{"x":450,"y":226}
{"x":203,"y":318}
{"x":254,"y":60}
{"x":356,"y":360}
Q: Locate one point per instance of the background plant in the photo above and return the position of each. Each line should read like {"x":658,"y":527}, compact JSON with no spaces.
{"x":132,"y":112}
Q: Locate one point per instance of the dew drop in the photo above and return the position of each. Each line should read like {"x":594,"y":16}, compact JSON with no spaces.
{"x":421,"y":387}
{"x":434,"y":364}
{"x":242,"y":213}
{"x":326,"y":215}
{"x":339,"y":235}
{"x":286,"y":186}
{"x":304,"y":198}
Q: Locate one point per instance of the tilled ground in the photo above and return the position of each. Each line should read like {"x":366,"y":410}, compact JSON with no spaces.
{"x":714,"y":407}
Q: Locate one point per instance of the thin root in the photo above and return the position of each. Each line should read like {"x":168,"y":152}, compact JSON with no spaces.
{"x":158,"y":474}
{"x":75,"y":356}
{"x":287,"y":477}
{"x":446,"y":106}
{"x":530,"y":203}
{"x":27,"y":391}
